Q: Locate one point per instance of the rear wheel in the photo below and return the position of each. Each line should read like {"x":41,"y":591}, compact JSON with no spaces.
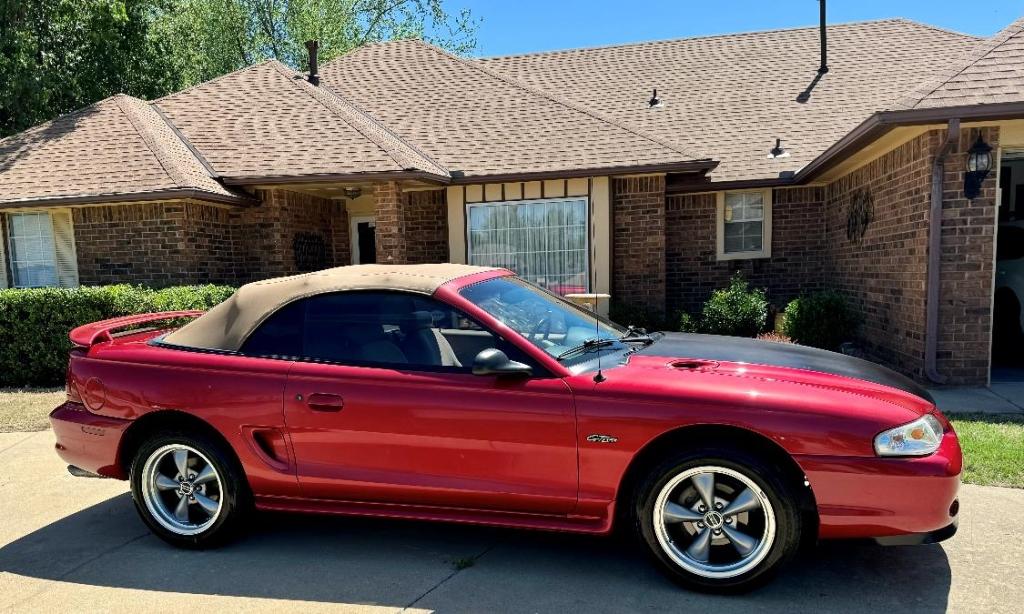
{"x":717,"y":519}
{"x":188,"y":490}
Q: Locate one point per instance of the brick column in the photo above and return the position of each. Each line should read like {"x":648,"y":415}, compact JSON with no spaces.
{"x":638,"y":242}
{"x":965,"y":278}
{"x":389,"y":209}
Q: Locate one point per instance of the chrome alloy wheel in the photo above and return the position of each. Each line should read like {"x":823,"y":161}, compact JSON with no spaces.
{"x":181,"y":489}
{"x":714,"y":522}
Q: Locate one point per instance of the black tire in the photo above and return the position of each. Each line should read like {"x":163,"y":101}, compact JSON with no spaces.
{"x":788,"y":521}
{"x":232,"y":490}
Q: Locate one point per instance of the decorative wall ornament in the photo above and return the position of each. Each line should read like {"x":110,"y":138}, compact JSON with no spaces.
{"x":860,"y":214}
{"x":310,"y":252}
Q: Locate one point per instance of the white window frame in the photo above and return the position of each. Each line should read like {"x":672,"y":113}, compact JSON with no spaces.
{"x":766,"y":227}
{"x":539,"y":201}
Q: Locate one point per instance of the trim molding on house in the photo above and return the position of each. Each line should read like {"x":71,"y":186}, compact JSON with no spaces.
{"x":105,"y":199}
{"x":695,"y":166}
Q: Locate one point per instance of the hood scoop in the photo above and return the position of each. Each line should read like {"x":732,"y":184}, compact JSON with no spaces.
{"x":694,"y":364}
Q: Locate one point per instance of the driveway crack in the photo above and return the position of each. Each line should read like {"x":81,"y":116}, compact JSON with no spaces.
{"x":445,"y":579}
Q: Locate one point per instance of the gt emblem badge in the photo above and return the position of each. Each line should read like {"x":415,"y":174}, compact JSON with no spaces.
{"x":601,"y":438}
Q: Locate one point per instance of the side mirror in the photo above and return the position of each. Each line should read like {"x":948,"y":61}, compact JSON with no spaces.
{"x":494,"y":362}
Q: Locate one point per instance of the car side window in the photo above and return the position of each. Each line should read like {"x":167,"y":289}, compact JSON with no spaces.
{"x":392,"y":329}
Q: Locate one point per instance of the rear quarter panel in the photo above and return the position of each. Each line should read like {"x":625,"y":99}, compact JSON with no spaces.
{"x":130,"y":379}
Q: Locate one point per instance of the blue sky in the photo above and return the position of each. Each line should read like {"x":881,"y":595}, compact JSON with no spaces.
{"x":521,"y":26}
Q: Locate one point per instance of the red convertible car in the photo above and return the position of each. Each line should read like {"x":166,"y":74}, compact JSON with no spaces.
{"x":459,"y":393}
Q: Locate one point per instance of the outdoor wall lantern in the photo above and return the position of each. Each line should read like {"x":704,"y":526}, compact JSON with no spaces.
{"x":979,"y":163}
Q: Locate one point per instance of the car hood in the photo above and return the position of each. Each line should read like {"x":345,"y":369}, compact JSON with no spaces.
{"x":779,"y":361}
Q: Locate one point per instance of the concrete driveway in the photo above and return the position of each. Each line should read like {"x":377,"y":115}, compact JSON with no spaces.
{"x":74,"y":544}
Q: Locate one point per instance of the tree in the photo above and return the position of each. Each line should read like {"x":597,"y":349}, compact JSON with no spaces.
{"x":60,"y":55}
{"x":57,"y":56}
{"x":213,"y":37}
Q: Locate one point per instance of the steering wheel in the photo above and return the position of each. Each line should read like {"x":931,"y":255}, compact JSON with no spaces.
{"x":544,"y":323}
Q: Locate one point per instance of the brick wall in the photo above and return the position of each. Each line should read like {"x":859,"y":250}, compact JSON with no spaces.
{"x":694,"y":272}
{"x":884,"y":273}
{"x":965,"y":289}
{"x":389,"y":209}
{"x":638,"y":242}
{"x":265,"y":234}
{"x":426,"y":227}
{"x":160,"y":244}
{"x":156,"y":244}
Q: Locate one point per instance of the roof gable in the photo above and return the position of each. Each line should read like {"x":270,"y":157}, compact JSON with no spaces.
{"x":733,"y":95}
{"x":477,"y":122}
{"x":116,"y":149}
{"x":266,"y":121}
{"x":990,"y":72}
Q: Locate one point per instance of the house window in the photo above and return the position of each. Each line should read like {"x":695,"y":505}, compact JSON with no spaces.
{"x":40,"y":250}
{"x":543,"y":241}
{"x":744,"y":224}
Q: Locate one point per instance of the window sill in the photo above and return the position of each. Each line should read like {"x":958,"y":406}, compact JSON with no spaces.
{"x":743,"y":256}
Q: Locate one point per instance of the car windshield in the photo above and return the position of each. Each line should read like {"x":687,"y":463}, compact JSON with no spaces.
{"x":555,"y":325}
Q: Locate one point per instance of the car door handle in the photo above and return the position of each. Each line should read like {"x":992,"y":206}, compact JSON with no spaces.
{"x":319,"y":401}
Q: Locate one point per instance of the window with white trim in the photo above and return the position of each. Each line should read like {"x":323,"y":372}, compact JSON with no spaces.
{"x":543,"y":241}
{"x":40,"y":250}
{"x":744,"y":224}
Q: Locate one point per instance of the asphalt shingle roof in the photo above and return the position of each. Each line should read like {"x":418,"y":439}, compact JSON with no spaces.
{"x":992,"y":71}
{"x":477,"y":122}
{"x":118,"y":147}
{"x":268,"y":121}
{"x":733,"y":95}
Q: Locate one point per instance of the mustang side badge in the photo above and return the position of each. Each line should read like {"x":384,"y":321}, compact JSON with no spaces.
{"x":597,"y":438}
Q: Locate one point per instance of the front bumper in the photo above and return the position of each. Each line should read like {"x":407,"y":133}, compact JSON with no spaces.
{"x":88,"y":441}
{"x":872,"y":497}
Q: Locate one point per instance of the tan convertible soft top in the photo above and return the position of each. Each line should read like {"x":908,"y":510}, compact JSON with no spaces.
{"x":227,"y":325}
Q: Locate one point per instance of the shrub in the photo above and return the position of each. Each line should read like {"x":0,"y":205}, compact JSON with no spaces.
{"x":688,"y":323}
{"x":34,"y":323}
{"x":737,"y":310}
{"x":822,"y":320}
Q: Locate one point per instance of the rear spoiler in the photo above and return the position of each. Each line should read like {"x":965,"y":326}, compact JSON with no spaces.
{"x":99,"y":332}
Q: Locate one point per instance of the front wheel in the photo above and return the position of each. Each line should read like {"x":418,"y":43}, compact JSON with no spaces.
{"x":188,"y":490}
{"x":718,"y":520}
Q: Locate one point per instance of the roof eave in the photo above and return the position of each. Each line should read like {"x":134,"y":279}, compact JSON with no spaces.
{"x":693,"y":166}
{"x":254,"y":180}
{"x":111,"y":199}
{"x":881,"y":122}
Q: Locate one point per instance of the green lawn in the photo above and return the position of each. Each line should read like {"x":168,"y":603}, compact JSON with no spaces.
{"x":993,"y":448}
{"x":993,"y":443}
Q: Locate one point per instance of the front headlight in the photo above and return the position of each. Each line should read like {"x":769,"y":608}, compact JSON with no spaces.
{"x":918,"y":438}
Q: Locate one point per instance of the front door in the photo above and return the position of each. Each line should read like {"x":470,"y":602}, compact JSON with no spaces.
{"x":364,"y":240}
{"x":390,"y":412}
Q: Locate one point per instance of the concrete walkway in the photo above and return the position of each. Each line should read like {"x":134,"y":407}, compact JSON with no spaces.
{"x":1000,"y":398}
{"x":76,"y":545}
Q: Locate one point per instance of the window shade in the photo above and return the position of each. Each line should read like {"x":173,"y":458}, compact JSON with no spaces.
{"x":64,"y":249}
{"x":544,"y":242}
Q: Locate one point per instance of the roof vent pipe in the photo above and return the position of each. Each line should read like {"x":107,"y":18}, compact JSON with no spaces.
{"x":824,"y":39}
{"x":314,"y":72}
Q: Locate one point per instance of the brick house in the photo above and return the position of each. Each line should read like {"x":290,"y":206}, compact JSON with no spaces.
{"x":568,"y":167}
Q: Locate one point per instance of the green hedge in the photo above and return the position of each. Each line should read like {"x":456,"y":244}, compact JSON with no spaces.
{"x":822,"y":319}
{"x":34,"y":323}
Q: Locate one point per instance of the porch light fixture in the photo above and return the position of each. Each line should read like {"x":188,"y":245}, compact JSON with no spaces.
{"x":979,"y":163}
{"x":353,"y":193}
